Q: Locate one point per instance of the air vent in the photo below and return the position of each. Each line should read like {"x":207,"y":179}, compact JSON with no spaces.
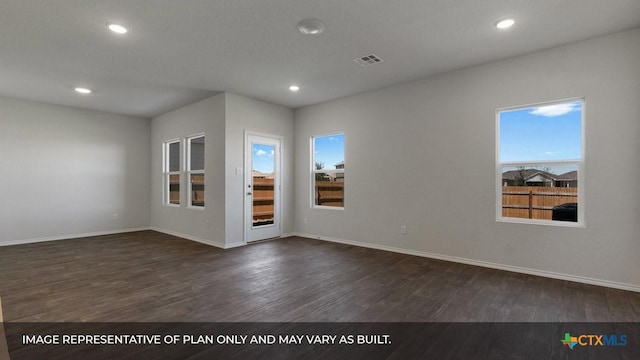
{"x":368,"y":60}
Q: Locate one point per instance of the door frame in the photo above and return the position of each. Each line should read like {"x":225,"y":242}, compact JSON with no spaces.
{"x":248,"y":200}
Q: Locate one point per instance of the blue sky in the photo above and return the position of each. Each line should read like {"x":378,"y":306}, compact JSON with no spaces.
{"x":551,"y":132}
{"x":329,"y":150}
{"x":263,"y":158}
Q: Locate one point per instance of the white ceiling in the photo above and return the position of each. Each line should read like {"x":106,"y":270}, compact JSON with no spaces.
{"x":178,"y":52}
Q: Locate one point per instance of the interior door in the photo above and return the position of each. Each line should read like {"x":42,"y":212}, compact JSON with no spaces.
{"x":262,"y":187}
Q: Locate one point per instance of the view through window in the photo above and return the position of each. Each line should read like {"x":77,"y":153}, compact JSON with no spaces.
{"x":195,"y":170}
{"x":540,"y":162}
{"x":172,"y":172}
{"x":263,"y":169}
{"x":327,"y":163}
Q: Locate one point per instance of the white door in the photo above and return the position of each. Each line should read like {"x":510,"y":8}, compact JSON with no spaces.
{"x":262,"y":187}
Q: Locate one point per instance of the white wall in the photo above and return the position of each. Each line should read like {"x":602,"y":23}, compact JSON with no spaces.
{"x":69,"y":172}
{"x":245,"y":114}
{"x":422,"y":154}
{"x":224,"y":119}
{"x":204,"y":225}
{"x":419,"y":154}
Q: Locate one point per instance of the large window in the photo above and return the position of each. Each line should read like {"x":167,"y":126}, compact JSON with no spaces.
{"x":195,"y":170}
{"x":540,"y":161}
{"x":327,"y":170}
{"x":171,"y":172}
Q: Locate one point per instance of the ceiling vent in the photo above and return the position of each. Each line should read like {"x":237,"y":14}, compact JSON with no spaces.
{"x":368,"y":60}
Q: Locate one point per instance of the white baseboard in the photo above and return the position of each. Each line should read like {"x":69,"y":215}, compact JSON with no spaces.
{"x":234,"y":244}
{"x":517,"y":269}
{"x":190,"y":237}
{"x":70,"y":236}
{"x":230,"y":245}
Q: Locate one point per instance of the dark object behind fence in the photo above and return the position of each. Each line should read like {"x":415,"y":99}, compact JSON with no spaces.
{"x":565,"y":212}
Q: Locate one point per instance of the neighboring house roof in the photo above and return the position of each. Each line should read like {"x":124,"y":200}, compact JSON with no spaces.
{"x":327,"y":171}
{"x":571,"y":175}
{"x":528,"y":174}
{"x":340,"y":165}
{"x":256,"y":173}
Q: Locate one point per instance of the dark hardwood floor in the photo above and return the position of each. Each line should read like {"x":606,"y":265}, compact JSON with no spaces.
{"x":153,"y":277}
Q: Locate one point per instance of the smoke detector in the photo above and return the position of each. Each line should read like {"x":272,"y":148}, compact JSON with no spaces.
{"x":311,"y":26}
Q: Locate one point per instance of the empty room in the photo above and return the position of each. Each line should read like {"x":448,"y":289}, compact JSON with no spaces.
{"x":390,"y":179}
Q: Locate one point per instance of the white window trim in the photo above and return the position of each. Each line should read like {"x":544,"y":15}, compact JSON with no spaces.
{"x":166,"y":173}
{"x":190,"y":172}
{"x":579,"y":163}
{"x":312,"y":178}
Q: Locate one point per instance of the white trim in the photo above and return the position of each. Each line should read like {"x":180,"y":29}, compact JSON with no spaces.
{"x":485,"y":264}
{"x":542,"y":103}
{"x":234,"y":244}
{"x":340,"y":208}
{"x":71,"y":236}
{"x":189,"y":237}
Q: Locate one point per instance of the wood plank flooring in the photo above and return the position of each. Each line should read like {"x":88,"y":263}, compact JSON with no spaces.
{"x":149,"y":276}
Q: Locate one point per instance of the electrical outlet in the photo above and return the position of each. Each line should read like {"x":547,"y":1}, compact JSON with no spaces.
{"x":305,"y":220}
{"x":403,"y":229}
{"x":115,"y":216}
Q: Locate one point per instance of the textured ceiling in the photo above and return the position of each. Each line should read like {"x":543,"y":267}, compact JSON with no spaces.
{"x":178,"y":52}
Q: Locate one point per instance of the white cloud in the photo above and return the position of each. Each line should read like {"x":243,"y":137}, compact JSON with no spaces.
{"x":555,"y":110}
{"x":261,"y":152}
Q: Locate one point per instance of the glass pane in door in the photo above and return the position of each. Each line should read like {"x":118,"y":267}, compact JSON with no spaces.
{"x":263,"y":179}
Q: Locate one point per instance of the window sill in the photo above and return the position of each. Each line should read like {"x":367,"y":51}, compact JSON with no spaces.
{"x":327,"y":207}
{"x":570,"y":224}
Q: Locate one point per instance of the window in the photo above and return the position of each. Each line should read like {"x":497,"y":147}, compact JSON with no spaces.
{"x":171,"y":172}
{"x":195,"y":170}
{"x":327,"y":170}
{"x":540,"y":161}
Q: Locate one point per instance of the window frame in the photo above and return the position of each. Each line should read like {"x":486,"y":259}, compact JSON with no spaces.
{"x":167,"y":173}
{"x":189,"y":171}
{"x":578,"y":163}
{"x":314,"y":172}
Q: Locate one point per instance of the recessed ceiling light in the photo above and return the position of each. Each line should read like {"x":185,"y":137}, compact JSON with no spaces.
{"x":294,"y":88}
{"x":117,"y":28}
{"x":505,"y":23}
{"x":82,"y":90}
{"x":311,"y":26}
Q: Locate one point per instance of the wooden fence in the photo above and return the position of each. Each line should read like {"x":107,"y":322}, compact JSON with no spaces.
{"x":174,"y":189}
{"x":534,"y":202}
{"x":528,"y":202}
{"x":329,"y":193}
{"x":197,"y":188}
{"x":263,"y":196}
